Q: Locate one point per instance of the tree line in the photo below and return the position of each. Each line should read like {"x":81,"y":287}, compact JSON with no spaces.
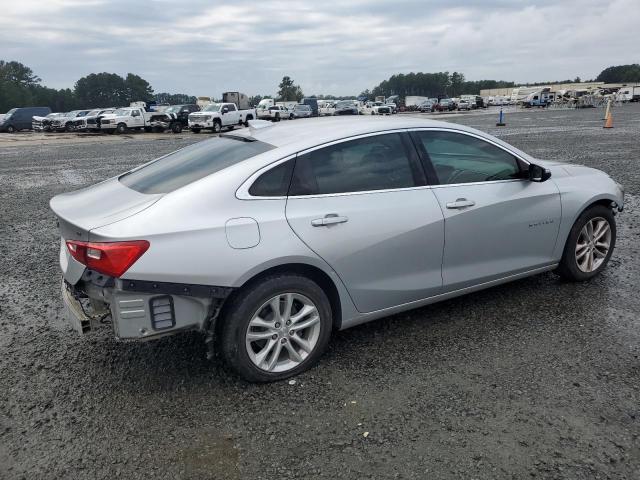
{"x":20,"y":87}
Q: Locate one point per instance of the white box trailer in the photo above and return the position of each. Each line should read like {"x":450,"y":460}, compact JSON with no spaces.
{"x":414,"y":100}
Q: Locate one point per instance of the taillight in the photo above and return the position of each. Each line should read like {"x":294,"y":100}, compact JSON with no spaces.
{"x":109,"y":258}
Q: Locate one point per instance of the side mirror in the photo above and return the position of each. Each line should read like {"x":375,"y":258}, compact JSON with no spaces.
{"x":538,"y":173}
{"x":225,"y":110}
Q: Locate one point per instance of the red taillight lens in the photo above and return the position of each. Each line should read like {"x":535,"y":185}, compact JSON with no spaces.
{"x":109,"y":258}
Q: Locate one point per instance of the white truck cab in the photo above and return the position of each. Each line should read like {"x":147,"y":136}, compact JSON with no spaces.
{"x":217,"y":116}
{"x":124,"y":119}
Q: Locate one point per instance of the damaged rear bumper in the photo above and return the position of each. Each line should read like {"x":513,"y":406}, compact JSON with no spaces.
{"x":141,"y":309}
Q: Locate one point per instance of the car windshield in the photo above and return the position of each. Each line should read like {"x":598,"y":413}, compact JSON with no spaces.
{"x":192,"y":163}
{"x":10,"y":112}
{"x":93,"y":112}
{"x":83,"y":114}
{"x":212,"y":107}
{"x":173,"y":109}
{"x":122,"y":112}
{"x":344,"y":104}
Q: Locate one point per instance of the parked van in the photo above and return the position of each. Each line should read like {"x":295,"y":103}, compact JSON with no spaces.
{"x":21,"y":118}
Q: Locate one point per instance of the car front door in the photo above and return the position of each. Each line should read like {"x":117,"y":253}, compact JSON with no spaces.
{"x":136,"y":118}
{"x":362,"y":206}
{"x":497,"y":222}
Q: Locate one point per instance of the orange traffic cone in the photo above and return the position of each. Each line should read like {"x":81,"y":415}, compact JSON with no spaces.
{"x":608,"y":123}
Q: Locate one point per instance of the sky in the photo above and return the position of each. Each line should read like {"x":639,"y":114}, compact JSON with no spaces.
{"x":338,"y":47}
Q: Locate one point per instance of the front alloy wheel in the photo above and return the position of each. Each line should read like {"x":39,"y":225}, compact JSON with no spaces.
{"x":283,"y":332}
{"x":593,"y":244}
{"x":590,"y":244}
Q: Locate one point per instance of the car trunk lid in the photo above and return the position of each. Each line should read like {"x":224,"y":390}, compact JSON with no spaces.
{"x":81,"y":211}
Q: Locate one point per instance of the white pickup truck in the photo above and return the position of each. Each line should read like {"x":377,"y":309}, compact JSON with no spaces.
{"x":124,"y":119}
{"x":275,"y":113}
{"x":217,"y":116}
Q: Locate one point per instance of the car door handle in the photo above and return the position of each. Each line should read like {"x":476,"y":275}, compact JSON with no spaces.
{"x":461,"y":203}
{"x":329,"y":219}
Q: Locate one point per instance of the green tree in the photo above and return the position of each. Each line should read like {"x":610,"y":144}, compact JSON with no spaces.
{"x":101,"y":90}
{"x":289,"y":91}
{"x":137,"y":88}
{"x":620,"y":74}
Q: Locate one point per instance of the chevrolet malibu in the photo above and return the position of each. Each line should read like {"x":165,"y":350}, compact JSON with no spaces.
{"x":270,"y":238}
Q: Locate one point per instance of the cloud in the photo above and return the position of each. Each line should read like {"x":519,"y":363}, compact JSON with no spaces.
{"x":340,"y":47}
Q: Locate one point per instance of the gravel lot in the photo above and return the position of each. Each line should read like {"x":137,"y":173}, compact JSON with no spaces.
{"x":535,"y":379}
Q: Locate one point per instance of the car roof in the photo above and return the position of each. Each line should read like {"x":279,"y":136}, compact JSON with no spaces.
{"x":293,"y":137}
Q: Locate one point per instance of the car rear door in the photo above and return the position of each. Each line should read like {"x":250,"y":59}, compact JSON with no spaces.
{"x":497,"y":222}
{"x":363,"y":206}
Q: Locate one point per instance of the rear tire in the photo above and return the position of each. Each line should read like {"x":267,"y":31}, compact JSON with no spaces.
{"x":251,"y":304}
{"x":247,"y":120}
{"x":589,"y":246}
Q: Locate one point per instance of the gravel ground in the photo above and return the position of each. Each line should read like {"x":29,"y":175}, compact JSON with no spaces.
{"x":535,"y":379}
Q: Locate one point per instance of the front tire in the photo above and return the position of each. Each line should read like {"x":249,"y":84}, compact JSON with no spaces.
{"x":121,"y":128}
{"x":589,"y":246}
{"x":217,"y":127}
{"x":275,"y":328}
{"x":176,"y":128}
{"x":11,"y":129}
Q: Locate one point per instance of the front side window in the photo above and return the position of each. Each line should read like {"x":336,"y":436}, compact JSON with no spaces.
{"x":460,"y":158}
{"x":190,"y":164}
{"x":379,"y":162}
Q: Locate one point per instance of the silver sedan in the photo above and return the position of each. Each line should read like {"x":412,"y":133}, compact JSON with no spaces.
{"x":270,"y":238}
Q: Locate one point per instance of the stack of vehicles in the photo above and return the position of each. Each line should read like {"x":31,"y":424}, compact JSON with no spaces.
{"x":65,"y":122}
{"x":43,"y":124}
{"x":91,"y":121}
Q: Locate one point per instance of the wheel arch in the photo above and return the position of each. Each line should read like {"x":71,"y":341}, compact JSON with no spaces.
{"x":605,"y":199}
{"x":315,"y":273}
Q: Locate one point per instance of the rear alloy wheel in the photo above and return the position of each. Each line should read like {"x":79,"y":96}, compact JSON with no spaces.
{"x":590,"y":244}
{"x":277,"y":328}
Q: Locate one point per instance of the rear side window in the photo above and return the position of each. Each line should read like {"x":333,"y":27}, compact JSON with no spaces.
{"x":191,"y":163}
{"x":379,"y":162}
{"x":460,"y":158}
{"x":273,"y":183}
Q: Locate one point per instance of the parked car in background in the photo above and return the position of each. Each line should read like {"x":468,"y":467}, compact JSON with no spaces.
{"x":445,"y":105}
{"x":275,"y":113}
{"x":43,"y":124}
{"x":379,"y":108}
{"x":65,"y":123}
{"x":217,"y":116}
{"x":426,"y":106}
{"x":91,"y":121}
{"x":346,"y":107}
{"x":300,"y":111}
{"x":22,"y":118}
{"x":174,"y":118}
{"x":327,"y":109}
{"x":463,"y":105}
{"x":125,"y":119}
{"x":264,"y":241}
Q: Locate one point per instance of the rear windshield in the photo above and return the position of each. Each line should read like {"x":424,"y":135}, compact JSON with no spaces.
{"x":191,"y":163}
